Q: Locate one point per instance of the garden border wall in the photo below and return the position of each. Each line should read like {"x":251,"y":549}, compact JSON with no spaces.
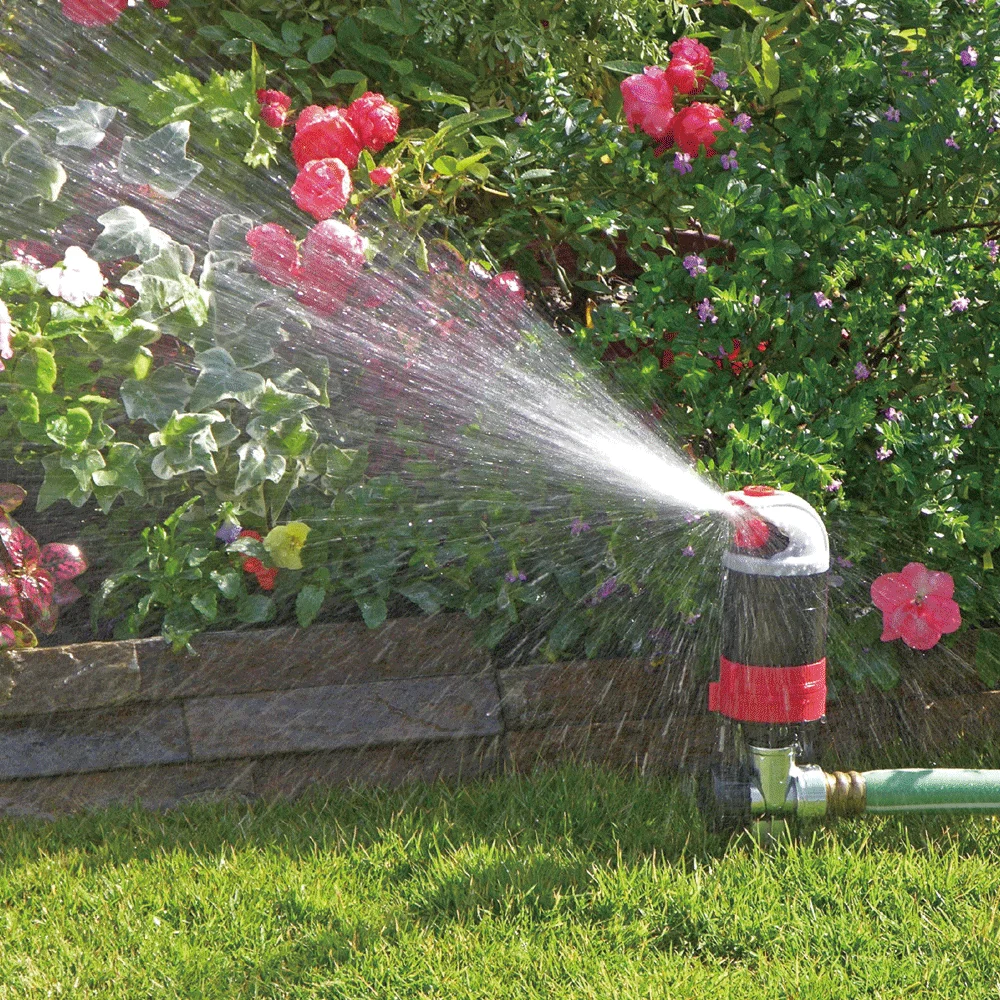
{"x":270,"y":713}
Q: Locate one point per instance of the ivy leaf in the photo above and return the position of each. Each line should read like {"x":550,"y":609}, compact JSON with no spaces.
{"x":188,"y":444}
{"x":36,"y":371}
{"x":426,"y":597}
{"x":31,"y":173}
{"x":220,"y":378}
{"x":119,"y":474}
{"x":161,"y":161}
{"x":254,"y":609}
{"x":156,"y":398}
{"x":70,"y":429}
{"x":256,"y":466}
{"x":59,"y":484}
{"x":273,"y":407}
{"x":373,"y":610}
{"x":127,"y":235}
{"x":165,"y":285}
{"x":82,"y":124}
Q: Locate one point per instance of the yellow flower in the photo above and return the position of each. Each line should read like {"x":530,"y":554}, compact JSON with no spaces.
{"x":284,"y":544}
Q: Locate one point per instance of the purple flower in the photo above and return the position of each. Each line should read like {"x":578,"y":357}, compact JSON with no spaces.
{"x":821,"y":300}
{"x":960,"y":304}
{"x":967,"y":422}
{"x":932,"y":81}
{"x":993,"y":248}
{"x":695,"y":265}
{"x":902,"y":307}
{"x":907,"y":72}
{"x":514,"y":577}
{"x":728,"y":160}
{"x":692,"y":618}
{"x":892,"y":415}
{"x":720,"y":78}
{"x":969,"y":56}
{"x":578,"y":527}
{"x":706,"y":312}
{"x":607,"y":588}
{"x":891,"y":114}
{"x":833,"y":486}
{"x":743,"y":122}
{"x":951,"y":142}
{"x":682,"y":163}
{"x":861,"y":371}
{"x":843,"y":562}
{"x":882,"y":453}
{"x":756,"y":300}
{"x":691,"y":518}
{"x":907,"y":267}
{"x":228,"y":532}
{"x":688,"y":551}
{"x":522,"y":118}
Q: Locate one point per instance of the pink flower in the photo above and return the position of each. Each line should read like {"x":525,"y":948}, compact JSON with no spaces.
{"x":6,"y":332}
{"x":278,"y":97}
{"x":691,"y":65}
{"x":696,"y":126}
{"x":93,"y":13}
{"x":274,"y":253}
{"x":648,"y":101}
{"x":380,"y":176}
{"x":375,"y":121}
{"x":322,"y":187}
{"x":506,"y":286}
{"x":274,"y":115}
{"x":916,"y":605}
{"x":333,"y":256}
{"x":325,"y":133}
{"x":159,"y":4}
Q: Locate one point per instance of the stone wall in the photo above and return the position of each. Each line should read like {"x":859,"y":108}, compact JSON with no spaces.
{"x":269,"y":713}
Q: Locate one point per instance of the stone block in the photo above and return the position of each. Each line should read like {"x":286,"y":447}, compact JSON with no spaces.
{"x":101,"y":740}
{"x":286,"y":658}
{"x":341,"y":716}
{"x":289,"y":775}
{"x":69,"y":678}
{"x":555,"y":694}
{"x":653,"y":746}
{"x":153,"y":787}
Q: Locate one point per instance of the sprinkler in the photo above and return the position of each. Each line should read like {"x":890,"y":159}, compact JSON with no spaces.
{"x":771,"y":691}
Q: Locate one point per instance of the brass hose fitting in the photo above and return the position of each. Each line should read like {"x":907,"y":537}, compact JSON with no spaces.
{"x":845,"y":793}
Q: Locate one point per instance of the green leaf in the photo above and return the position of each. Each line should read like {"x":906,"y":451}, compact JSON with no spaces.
{"x":36,"y":370}
{"x":426,"y":597}
{"x":188,"y":444}
{"x":422,"y":93}
{"x":256,"y":466}
{"x":254,"y":609}
{"x":389,"y":21}
{"x":322,"y":49}
{"x":165,"y":286}
{"x":258,"y":32}
{"x":71,"y":429}
{"x":373,"y":610}
{"x":769,"y":67}
{"x":567,"y":630}
{"x":308,"y":603}
{"x":205,"y":602}
{"x":127,"y":235}
{"x":161,"y":161}
{"x":31,"y":173}
{"x":84,"y":124}
{"x":623,"y":66}
{"x":229,"y":582}
{"x":59,"y":484}
{"x":988,"y":657}
{"x":347,"y":76}
{"x":220,"y":378}
{"x":155,"y":399}
{"x":119,"y":474}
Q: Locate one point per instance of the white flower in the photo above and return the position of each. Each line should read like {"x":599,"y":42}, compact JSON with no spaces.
{"x":6,"y":331}
{"x":77,"y":279}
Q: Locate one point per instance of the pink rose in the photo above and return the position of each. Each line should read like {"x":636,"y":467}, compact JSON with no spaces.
{"x":506,"y":286}
{"x":696,"y":125}
{"x":375,"y":120}
{"x":93,"y":13}
{"x":322,"y":187}
{"x":325,"y":133}
{"x":274,"y":115}
{"x":274,"y":97}
{"x":916,"y":605}
{"x":648,"y":100}
{"x":274,"y":253}
{"x":690,"y":67}
{"x":380,"y":176}
{"x":6,"y":332}
{"x":333,"y":256}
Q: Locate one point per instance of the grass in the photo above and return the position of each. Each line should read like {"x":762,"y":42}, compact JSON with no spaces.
{"x":575,"y":883}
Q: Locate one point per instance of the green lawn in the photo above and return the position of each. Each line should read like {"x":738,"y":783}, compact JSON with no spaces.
{"x":567,"y":884}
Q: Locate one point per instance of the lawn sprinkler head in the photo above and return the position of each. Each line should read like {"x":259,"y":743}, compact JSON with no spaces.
{"x":771,"y":692}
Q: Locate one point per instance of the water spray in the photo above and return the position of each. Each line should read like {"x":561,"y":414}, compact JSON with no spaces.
{"x":771,"y":692}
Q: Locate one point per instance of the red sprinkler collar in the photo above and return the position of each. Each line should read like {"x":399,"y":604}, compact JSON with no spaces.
{"x":780,"y":695}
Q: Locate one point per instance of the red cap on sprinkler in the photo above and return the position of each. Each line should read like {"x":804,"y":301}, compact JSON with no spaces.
{"x":759,"y":491}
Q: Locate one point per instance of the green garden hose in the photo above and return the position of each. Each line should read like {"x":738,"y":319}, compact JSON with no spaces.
{"x":929,"y":789}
